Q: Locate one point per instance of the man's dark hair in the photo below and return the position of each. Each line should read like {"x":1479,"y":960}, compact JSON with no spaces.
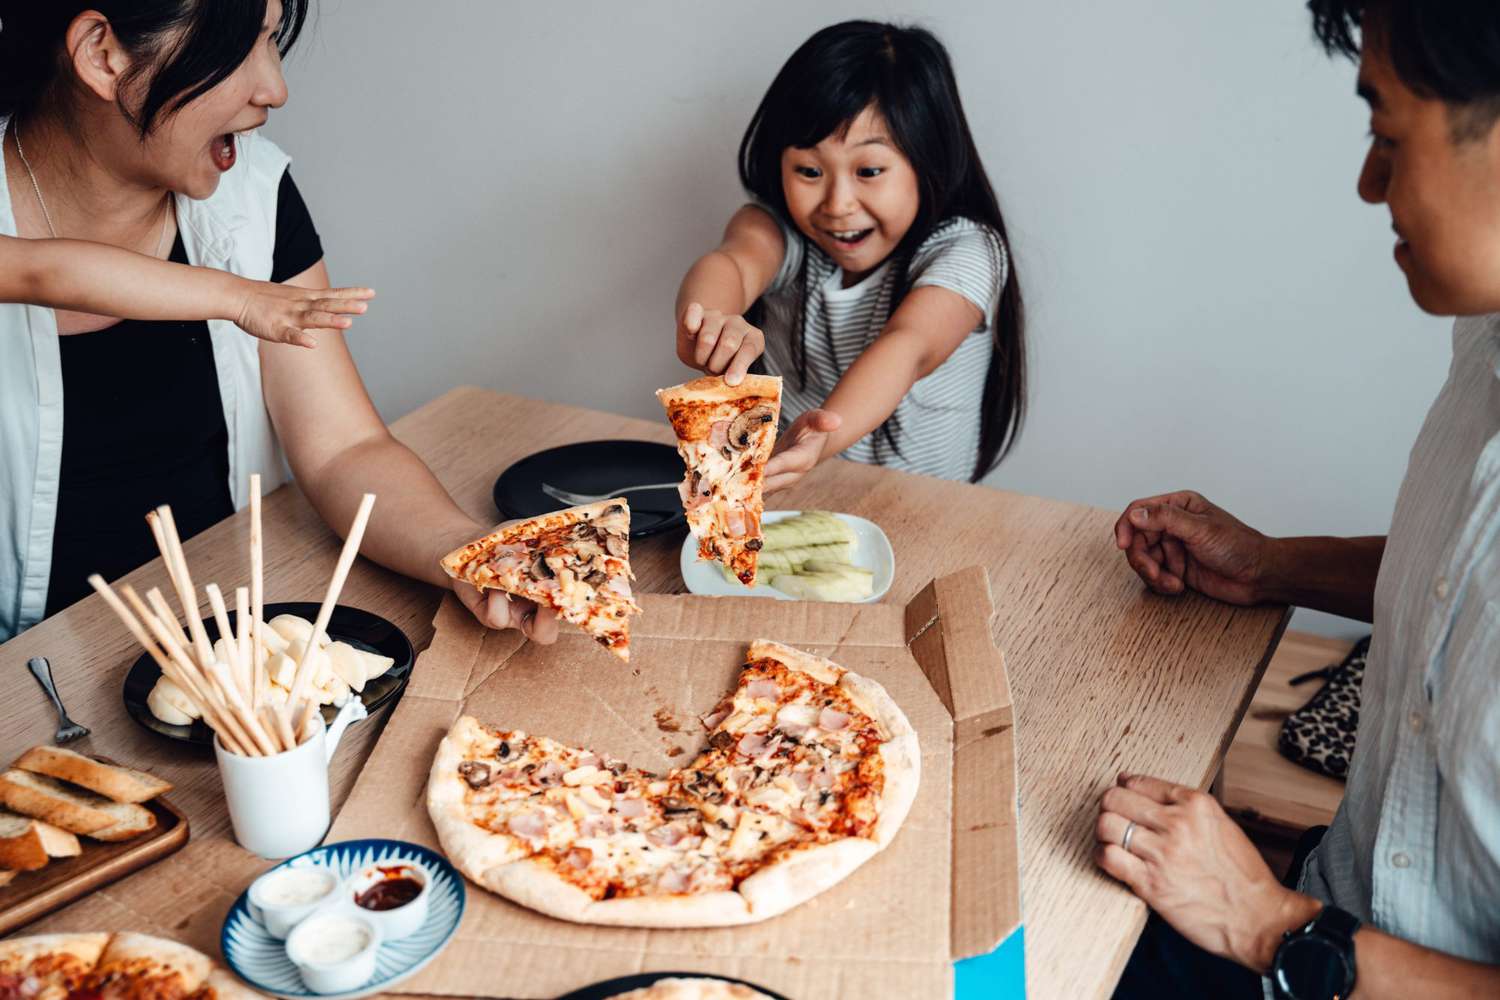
{"x":182,"y":48}
{"x":1443,"y":49}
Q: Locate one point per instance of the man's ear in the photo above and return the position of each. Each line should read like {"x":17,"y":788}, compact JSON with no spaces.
{"x":99,"y":60}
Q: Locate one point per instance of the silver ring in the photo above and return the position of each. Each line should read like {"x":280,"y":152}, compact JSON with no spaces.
{"x":1129,"y":832}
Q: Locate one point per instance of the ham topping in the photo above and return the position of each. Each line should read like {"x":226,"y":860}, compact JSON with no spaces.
{"x":665,"y":836}
{"x":597,"y":826}
{"x":718,"y":434}
{"x":832,"y":720}
{"x":761,"y":688}
{"x":672,"y":881}
{"x":548,"y":774}
{"x":580,"y":857}
{"x":714,"y":718}
{"x":532,"y":825}
{"x":630,"y":808}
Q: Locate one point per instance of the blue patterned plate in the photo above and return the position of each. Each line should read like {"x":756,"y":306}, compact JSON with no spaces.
{"x":261,"y":960}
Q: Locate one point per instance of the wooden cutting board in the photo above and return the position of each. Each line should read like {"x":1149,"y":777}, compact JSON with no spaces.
{"x":35,"y":894}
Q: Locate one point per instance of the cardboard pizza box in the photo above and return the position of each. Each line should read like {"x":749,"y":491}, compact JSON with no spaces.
{"x":945,"y":889}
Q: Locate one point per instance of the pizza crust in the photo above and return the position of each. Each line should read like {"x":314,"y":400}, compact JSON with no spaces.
{"x":800,"y":876}
{"x":695,"y":988}
{"x":816,"y":667}
{"x":84,"y":949}
{"x":713,"y":389}
{"x":158,"y":957}
{"x":475,"y":851}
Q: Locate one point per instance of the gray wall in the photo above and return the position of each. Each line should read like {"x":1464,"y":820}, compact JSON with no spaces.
{"x":1210,"y":304}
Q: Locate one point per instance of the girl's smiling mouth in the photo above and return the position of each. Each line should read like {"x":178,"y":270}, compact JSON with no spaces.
{"x":847,"y":239}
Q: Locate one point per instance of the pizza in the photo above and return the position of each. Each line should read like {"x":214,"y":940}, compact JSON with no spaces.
{"x":725,"y":434}
{"x":574,"y":561}
{"x":692,"y":988}
{"x":809,"y":771}
{"x":102,"y":966}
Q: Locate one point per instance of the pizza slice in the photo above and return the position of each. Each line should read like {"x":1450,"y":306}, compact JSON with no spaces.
{"x":725,"y":434}
{"x":575,"y":561}
{"x":102,"y":966}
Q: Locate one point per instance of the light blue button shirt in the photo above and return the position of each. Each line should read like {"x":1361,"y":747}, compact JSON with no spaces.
{"x":1415,"y":846}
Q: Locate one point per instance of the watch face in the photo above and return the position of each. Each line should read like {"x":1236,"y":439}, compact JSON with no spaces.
{"x":1311,"y":968}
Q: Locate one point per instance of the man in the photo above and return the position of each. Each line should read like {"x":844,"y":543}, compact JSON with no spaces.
{"x":1402,"y":895}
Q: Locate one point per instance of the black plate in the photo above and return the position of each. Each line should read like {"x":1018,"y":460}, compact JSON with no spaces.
{"x":594,"y":467}
{"x":360,"y":629}
{"x":599,"y":991}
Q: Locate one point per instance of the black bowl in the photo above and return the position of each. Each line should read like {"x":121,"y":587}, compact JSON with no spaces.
{"x":360,"y":629}
{"x":623,"y":984}
{"x":593,"y":467}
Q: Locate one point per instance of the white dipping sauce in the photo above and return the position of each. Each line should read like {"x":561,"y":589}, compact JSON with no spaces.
{"x":330,"y":940}
{"x":295,"y":887}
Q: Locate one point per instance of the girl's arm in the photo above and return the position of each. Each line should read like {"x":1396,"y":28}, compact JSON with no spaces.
{"x":920,"y":335}
{"x":712,"y":334}
{"x":339,"y":449}
{"x":108,"y":281}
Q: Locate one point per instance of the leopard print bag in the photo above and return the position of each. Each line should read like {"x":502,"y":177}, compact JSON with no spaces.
{"x":1320,"y":734}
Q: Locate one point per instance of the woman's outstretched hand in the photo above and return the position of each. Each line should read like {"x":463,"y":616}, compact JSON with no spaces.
{"x":288,"y":314}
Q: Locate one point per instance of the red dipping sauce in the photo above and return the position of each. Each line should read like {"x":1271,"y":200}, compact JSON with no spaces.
{"x":389,"y":893}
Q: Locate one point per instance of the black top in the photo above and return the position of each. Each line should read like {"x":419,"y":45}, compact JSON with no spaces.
{"x":143,"y":425}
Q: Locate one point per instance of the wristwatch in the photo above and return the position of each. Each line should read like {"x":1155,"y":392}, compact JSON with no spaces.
{"x":1316,"y":961}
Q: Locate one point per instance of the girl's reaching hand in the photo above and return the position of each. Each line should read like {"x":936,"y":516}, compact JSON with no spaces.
{"x":799,"y":449}
{"x":722,"y":343}
{"x":287,"y":314}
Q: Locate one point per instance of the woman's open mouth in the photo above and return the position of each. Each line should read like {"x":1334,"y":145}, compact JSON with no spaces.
{"x":222,"y":150}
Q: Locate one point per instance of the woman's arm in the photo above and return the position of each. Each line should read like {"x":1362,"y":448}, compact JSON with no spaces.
{"x":712,"y":334}
{"x":920,"y":335}
{"x":107,"y":281}
{"x":340,"y":449}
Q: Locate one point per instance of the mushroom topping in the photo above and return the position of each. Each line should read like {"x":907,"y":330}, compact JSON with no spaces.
{"x":714,"y":718}
{"x":672,"y":806}
{"x":721,"y":741}
{"x":475,"y":773}
{"x":742,"y":431}
{"x":595,"y":577}
{"x":615,"y":544}
{"x":539,"y":568}
{"x":504,"y":751}
{"x":753,"y":544}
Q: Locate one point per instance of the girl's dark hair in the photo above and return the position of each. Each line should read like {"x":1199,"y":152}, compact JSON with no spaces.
{"x":907,"y":75}
{"x":1447,"y":50}
{"x":181,"y":49}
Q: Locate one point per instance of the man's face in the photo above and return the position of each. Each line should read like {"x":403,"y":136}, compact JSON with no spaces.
{"x":1443,"y":194}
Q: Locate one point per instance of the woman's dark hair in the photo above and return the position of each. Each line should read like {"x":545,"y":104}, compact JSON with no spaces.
{"x":1447,"y":50}
{"x":181,"y":49}
{"x":907,"y":75}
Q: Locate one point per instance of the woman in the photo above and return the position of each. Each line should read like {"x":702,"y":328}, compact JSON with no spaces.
{"x":126,"y":122}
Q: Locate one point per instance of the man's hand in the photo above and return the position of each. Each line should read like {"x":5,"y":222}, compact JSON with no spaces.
{"x":1190,"y":863}
{"x":498,"y":610}
{"x":1180,"y":541}
{"x":799,"y":449}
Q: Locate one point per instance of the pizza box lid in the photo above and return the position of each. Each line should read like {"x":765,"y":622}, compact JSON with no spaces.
{"x":946,"y":888}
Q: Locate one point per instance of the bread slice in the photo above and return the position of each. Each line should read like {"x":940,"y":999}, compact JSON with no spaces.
{"x":118,"y":783}
{"x":58,"y":842}
{"x":71,"y":808}
{"x":21,"y":847}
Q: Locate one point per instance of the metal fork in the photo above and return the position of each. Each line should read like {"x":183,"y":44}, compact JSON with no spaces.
{"x":67,"y":729}
{"x":574,"y":499}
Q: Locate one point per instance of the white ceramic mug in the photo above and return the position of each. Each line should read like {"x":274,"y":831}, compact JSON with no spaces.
{"x":278,"y":805}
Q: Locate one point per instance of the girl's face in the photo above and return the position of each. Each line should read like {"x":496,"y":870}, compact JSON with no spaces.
{"x":854,"y":195}
{"x":188,"y":152}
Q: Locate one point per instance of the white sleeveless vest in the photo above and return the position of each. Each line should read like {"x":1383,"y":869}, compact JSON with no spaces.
{"x":233,"y":230}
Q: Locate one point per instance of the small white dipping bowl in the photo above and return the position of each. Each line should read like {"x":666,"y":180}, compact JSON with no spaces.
{"x":285,"y":896}
{"x":400,"y":921}
{"x":334,"y":951}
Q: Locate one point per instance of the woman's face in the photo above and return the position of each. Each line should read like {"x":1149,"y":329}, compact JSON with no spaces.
{"x":190,"y":150}
{"x":854,"y":195}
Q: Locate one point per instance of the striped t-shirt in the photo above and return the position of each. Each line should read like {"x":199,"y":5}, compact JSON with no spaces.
{"x":937,"y":422}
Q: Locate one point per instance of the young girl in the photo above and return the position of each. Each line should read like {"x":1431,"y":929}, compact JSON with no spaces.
{"x":876,"y":263}
{"x":108,"y":281}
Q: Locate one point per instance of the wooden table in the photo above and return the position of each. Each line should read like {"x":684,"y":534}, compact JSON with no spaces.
{"x":1105,"y":676}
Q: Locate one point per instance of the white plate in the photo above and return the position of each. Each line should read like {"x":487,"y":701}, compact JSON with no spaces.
{"x":872,"y":551}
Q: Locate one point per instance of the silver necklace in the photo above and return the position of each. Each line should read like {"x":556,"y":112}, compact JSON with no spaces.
{"x":21,"y":151}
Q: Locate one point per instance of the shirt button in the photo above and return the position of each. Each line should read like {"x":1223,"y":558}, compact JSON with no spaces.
{"x":1416,"y":722}
{"x":1441,"y":588}
{"x":1400,"y":860}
